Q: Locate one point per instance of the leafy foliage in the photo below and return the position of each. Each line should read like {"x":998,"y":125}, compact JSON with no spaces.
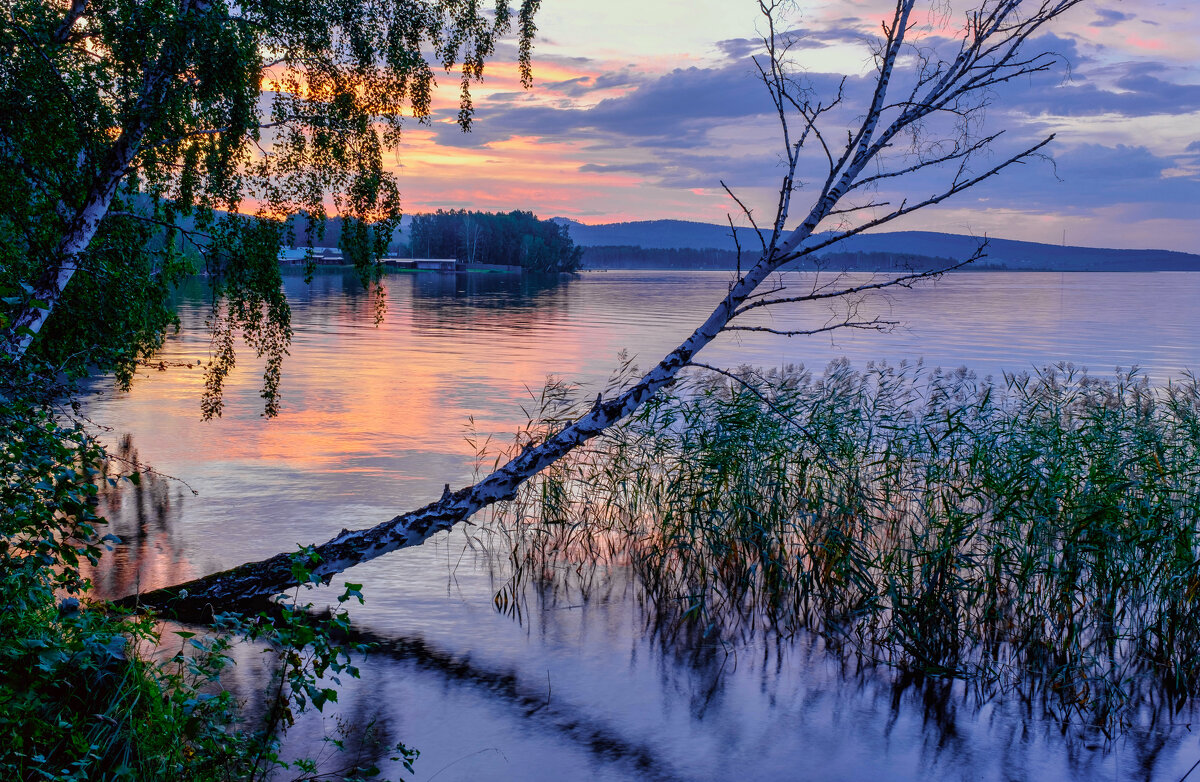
{"x":142,"y":141}
{"x":167,"y":137}
{"x":512,"y":239}
{"x":1040,"y":535}
{"x":81,"y":695}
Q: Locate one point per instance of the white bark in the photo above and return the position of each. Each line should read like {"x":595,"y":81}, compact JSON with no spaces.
{"x":80,"y":232}
{"x":85,"y":222}
{"x":990,"y":51}
{"x":73,"y":15}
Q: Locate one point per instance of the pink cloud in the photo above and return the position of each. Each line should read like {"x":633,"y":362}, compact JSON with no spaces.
{"x":1143,"y":44}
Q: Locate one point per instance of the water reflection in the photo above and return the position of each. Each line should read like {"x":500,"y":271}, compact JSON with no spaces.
{"x":144,"y":517}
{"x":779,"y":710}
{"x":571,"y":686}
{"x":551,"y":685}
{"x":506,"y":305}
{"x":491,"y":290}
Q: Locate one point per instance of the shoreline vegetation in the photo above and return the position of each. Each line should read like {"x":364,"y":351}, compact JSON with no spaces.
{"x":569,"y":257}
{"x":661,"y":241}
{"x":448,"y":241}
{"x":1039,"y":537}
{"x":1036,"y":537}
{"x":89,"y":692}
{"x":607,"y":258}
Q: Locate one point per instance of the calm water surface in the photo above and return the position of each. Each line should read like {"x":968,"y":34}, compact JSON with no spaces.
{"x":376,"y":419}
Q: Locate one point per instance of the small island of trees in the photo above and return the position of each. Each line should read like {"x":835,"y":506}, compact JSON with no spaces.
{"x":507,"y":239}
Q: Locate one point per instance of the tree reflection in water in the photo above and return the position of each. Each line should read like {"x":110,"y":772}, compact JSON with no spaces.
{"x":144,"y":517}
{"x":684,"y":703}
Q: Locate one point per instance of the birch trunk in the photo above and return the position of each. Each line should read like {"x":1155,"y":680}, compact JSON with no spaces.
{"x":256,"y":581}
{"x":78,"y":236}
{"x":988,"y":57}
{"x":82,"y":227}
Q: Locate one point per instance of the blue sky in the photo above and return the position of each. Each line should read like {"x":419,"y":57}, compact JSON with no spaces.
{"x":641,"y":109}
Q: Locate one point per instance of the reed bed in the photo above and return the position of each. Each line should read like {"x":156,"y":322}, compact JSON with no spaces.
{"x":1040,"y":533}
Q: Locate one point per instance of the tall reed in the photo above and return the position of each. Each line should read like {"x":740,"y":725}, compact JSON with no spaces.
{"x":1039,"y":533}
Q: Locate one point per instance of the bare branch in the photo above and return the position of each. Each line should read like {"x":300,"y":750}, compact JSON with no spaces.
{"x":861,"y":207}
{"x":749,"y":216}
{"x":736,"y":242}
{"x":990,"y":52}
{"x":904,"y":209}
{"x":903,"y":281}
{"x":875,"y":324}
{"x":957,"y":154}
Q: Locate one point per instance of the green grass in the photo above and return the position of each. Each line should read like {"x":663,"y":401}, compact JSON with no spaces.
{"x":1039,"y":534}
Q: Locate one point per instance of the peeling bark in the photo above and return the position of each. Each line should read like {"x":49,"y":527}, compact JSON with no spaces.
{"x":79,"y":234}
{"x":258,"y":580}
{"x":83,"y":224}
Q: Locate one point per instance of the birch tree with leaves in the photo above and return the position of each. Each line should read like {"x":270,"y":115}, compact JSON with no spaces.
{"x":922,"y":120}
{"x":144,"y":140}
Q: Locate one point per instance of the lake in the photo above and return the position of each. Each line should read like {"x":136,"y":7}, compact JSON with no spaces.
{"x":376,"y":419}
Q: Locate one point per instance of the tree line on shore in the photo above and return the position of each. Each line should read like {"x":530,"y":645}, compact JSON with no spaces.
{"x":513,"y":238}
{"x":151,"y":114}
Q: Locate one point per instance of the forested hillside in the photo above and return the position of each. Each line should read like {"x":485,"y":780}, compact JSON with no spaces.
{"x":510,"y":239}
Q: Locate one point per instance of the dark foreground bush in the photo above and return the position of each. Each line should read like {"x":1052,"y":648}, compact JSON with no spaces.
{"x":91,"y":694}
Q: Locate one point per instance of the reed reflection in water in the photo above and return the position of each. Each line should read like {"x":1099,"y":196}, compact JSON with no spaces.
{"x":375,"y":421}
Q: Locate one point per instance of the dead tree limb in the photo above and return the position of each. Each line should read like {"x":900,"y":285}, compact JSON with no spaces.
{"x":990,"y":51}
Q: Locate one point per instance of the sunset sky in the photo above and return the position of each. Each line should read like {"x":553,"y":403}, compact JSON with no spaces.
{"x":640,"y":109}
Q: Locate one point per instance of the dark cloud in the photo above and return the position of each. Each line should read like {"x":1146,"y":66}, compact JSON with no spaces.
{"x":506,"y":97}
{"x":582,"y":86}
{"x":1137,"y":89}
{"x":828,"y":36}
{"x":1095,"y":176}
{"x":672,"y":117}
{"x":1110,"y":18}
{"x":739,"y":48}
{"x":676,"y":109}
{"x":688,"y":170}
{"x":668,"y":106}
{"x":1076,"y":181}
{"x":617,"y":79}
{"x":796,"y":40}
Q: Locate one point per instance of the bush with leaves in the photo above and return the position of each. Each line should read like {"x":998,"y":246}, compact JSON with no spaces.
{"x":82,"y":697}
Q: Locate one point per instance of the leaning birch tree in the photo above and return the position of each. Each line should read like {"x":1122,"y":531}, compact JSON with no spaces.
{"x":138,"y":137}
{"x":923,"y":116}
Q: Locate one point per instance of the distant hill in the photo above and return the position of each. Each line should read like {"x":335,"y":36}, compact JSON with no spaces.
{"x":652,"y":234}
{"x":627,"y":257}
{"x":1024,"y":255}
{"x":1002,"y":253}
